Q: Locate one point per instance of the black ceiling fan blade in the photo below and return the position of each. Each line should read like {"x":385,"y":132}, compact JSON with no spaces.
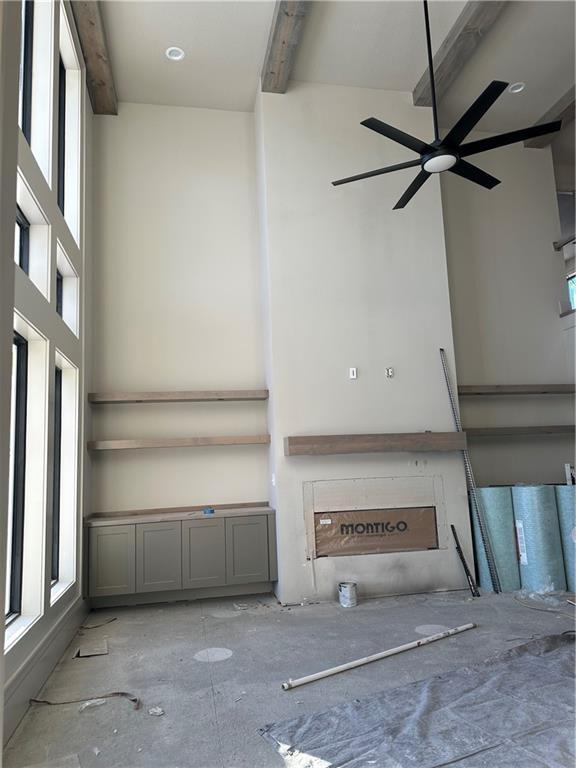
{"x":377,"y":172}
{"x":502,"y":140}
{"x":472,"y":173}
{"x":474,"y":113}
{"x":412,"y":189}
{"x":397,"y":135}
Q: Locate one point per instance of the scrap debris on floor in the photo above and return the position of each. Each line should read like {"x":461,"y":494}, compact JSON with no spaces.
{"x":214,"y":668}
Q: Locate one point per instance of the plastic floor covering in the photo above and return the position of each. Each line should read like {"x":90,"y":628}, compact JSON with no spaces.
{"x":515,"y":710}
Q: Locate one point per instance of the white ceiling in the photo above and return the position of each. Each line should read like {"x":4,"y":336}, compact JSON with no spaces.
{"x":383,"y":45}
{"x":379,"y":44}
{"x":532,"y":42}
{"x":225,"y":43}
{"x":371,"y":44}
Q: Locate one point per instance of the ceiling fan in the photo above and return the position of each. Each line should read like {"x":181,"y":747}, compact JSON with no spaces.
{"x":448,"y":154}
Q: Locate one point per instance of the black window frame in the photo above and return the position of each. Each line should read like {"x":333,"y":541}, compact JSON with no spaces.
{"x":19,"y":478}
{"x":26,"y":54}
{"x":57,"y":465}
{"x":61,"y":133}
{"x":24,"y":248}
{"x":59,"y":292}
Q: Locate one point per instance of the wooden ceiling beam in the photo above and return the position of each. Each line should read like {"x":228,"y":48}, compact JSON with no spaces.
{"x":562,"y":110}
{"x":285,"y":36}
{"x":99,"y":76}
{"x":470,"y":27}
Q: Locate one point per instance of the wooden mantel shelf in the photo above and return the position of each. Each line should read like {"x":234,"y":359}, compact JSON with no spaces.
{"x":465,"y":390}
{"x":176,"y":442}
{"x":197,"y":396}
{"x":318,"y":445}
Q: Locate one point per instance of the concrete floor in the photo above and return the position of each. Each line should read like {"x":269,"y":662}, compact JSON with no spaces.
{"x":213,"y":710}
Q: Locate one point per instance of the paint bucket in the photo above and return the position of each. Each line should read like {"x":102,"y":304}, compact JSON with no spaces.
{"x":347,"y":594}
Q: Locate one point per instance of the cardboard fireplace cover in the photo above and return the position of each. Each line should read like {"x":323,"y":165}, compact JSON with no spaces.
{"x":371,"y":531}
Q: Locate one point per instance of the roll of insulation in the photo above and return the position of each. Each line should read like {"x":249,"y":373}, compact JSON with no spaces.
{"x":538,"y":534}
{"x":499,"y":517}
{"x":566,"y":503}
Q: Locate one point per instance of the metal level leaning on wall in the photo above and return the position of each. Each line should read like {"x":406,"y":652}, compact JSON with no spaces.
{"x":477,"y":509}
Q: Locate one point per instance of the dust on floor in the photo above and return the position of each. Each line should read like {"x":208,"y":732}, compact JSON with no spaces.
{"x":214,"y":668}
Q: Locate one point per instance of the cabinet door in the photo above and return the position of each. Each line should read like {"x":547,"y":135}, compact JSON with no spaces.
{"x":158,"y":556}
{"x":203,"y":553}
{"x":112,"y":560}
{"x":247,"y":549}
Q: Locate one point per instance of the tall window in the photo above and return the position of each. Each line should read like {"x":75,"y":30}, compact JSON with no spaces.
{"x":61,"y":132}
{"x":15,"y":539}
{"x":49,"y":242}
{"x":22,"y":241}
{"x":56,"y":475}
{"x":25,"y":98}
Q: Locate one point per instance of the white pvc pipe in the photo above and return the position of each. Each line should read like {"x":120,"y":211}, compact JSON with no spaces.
{"x":375,"y":657}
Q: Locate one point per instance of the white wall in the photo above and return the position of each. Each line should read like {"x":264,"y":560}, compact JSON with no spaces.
{"x":176,"y":302}
{"x":350,"y":282}
{"x":505,"y":284}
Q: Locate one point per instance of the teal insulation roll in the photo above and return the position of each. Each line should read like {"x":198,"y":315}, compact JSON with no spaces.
{"x":566,"y":503}
{"x":499,"y":518}
{"x":538,"y":533}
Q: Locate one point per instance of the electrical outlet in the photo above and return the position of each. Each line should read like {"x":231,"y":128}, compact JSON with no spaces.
{"x":353,"y":373}
{"x":389,"y":373}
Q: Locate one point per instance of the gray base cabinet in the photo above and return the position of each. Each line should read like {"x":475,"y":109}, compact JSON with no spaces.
{"x":158,"y":557}
{"x":176,"y":554}
{"x":113,"y":560}
{"x":247,"y":549}
{"x":203,"y":553}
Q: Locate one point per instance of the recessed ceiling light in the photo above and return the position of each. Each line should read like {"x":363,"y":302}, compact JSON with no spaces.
{"x":516,"y":87}
{"x":174,"y":53}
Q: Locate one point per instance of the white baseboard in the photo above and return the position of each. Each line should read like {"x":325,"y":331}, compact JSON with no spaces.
{"x":29,"y":679}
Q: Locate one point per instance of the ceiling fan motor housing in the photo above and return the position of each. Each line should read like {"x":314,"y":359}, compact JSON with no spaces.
{"x":439,"y":161}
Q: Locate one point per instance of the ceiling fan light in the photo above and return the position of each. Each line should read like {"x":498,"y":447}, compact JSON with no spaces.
{"x":439,"y":163}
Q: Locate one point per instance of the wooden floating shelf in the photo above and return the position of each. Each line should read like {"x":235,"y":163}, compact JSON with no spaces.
{"x":198,"y":396}
{"x":555,"y":429}
{"x":466,"y":390}
{"x":176,"y":442}
{"x":317,"y":445}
